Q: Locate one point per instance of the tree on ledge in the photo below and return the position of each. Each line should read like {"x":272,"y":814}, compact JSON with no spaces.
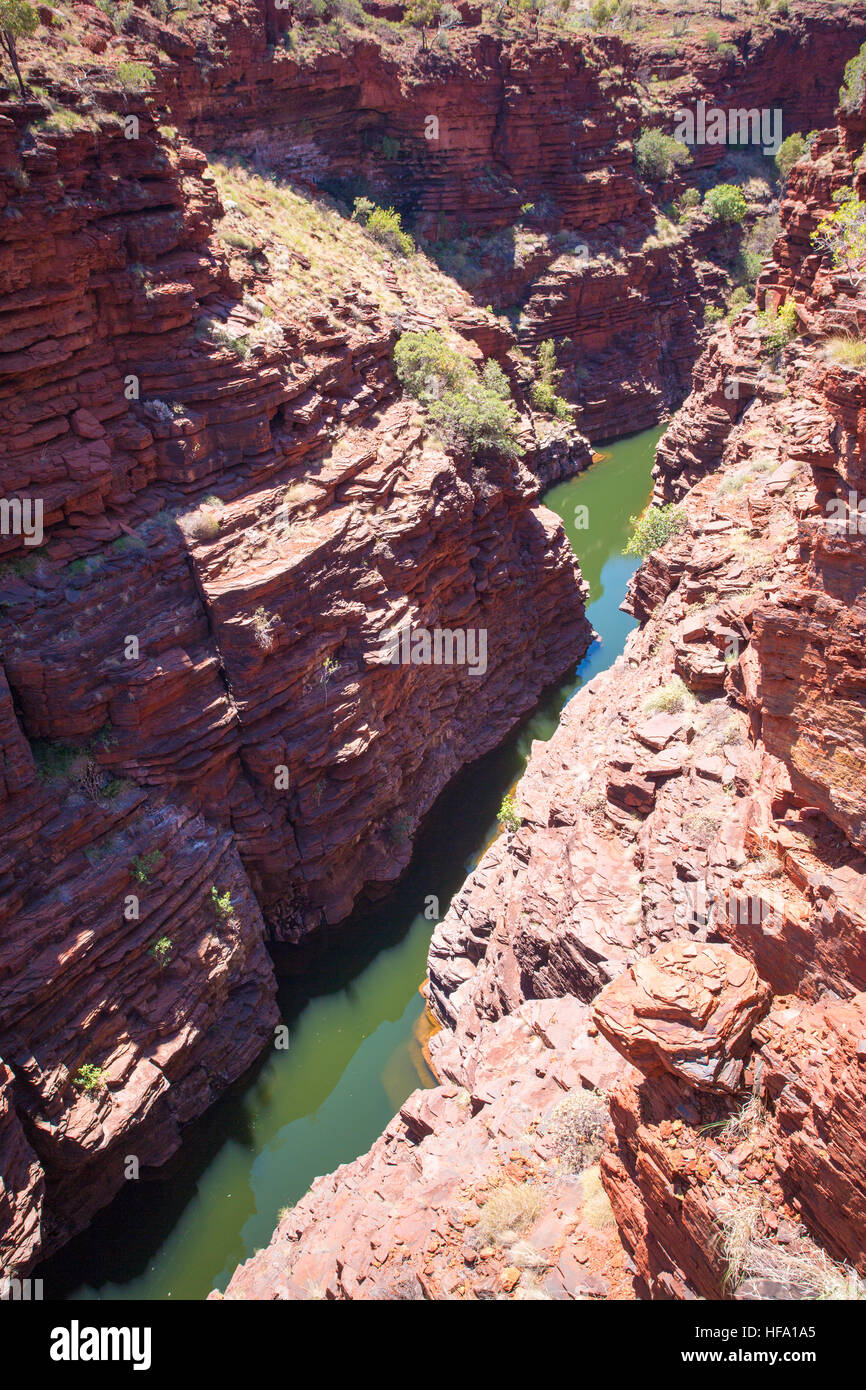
{"x":422,"y":14}
{"x":18,"y":20}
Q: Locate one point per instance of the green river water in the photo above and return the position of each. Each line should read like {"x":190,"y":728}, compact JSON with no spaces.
{"x":351,"y":1000}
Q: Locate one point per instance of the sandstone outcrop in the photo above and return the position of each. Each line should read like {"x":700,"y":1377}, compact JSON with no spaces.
{"x":686,"y":1009}
{"x":196,"y":380}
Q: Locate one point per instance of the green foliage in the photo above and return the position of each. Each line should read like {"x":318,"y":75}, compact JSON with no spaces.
{"x":778,"y":325}
{"x":854,"y":82}
{"x":687,"y":201}
{"x":790,"y":150}
{"x":726,"y":203}
{"x":135,"y":77}
{"x":544,"y":395}
{"x":143,"y":865}
{"x":601,"y":12}
{"x":89,"y":1078}
{"x":222,"y":902}
{"x":654,"y":527}
{"x":384,"y":224}
{"x":657,"y":154}
{"x":842,"y":235}
{"x":473,"y":412}
{"x":18,"y":20}
{"x":422,"y":15}
{"x":507,"y":814}
{"x":738,"y":300}
{"x":712,"y":313}
{"x":161,"y":950}
{"x":712,"y":40}
{"x":427,"y":366}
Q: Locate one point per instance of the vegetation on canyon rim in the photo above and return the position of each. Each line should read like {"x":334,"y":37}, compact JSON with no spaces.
{"x":471,"y":410}
{"x":654,"y":527}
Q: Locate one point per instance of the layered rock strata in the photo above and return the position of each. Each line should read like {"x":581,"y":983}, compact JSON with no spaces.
{"x":690,"y":853}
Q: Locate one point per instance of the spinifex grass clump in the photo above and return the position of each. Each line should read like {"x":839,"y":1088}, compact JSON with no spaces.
{"x":473,"y":411}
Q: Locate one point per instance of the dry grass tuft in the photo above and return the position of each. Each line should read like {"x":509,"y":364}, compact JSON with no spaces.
{"x":509,"y":1211}
{"x":597,"y":1210}
{"x":577,"y":1128}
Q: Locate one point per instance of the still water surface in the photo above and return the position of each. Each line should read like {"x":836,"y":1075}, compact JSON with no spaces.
{"x":351,"y":1001}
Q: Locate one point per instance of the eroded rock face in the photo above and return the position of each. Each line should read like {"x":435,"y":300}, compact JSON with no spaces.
{"x":685,"y":1009}
{"x":21,"y":1187}
{"x":436,"y":1167}
{"x":783,"y":1164}
{"x":336,"y":516}
{"x":199,"y":712}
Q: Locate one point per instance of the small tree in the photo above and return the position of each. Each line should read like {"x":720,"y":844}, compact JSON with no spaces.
{"x":790,"y":150}
{"x":422,"y":15}
{"x":726,"y":203}
{"x":842,"y":235}
{"x":656,"y":154}
{"x":18,"y":20}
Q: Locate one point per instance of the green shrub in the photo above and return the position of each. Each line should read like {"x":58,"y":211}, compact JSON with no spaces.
{"x":89,"y":1078}
{"x":143,"y":865}
{"x":161,"y":950}
{"x":480,"y":416}
{"x":544,"y":395}
{"x":18,"y":20}
{"x":384,"y":225}
{"x":712,"y":40}
{"x":689,"y":199}
{"x":507,"y":814}
{"x":726,"y":203}
{"x":222,"y":902}
{"x":790,"y":150}
{"x":473,"y":412}
{"x":712,"y":313}
{"x":779,"y":325}
{"x":654,"y":527}
{"x":426,"y":366}
{"x":842,"y":235}
{"x":657,"y":154}
{"x":738,"y":300}
{"x":853,"y":82}
{"x":135,"y":77}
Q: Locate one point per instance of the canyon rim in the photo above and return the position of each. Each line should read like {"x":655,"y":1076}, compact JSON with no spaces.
{"x":432,"y":685}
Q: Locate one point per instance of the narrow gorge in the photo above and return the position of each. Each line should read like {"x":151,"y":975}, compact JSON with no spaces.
{"x":431,"y":651}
